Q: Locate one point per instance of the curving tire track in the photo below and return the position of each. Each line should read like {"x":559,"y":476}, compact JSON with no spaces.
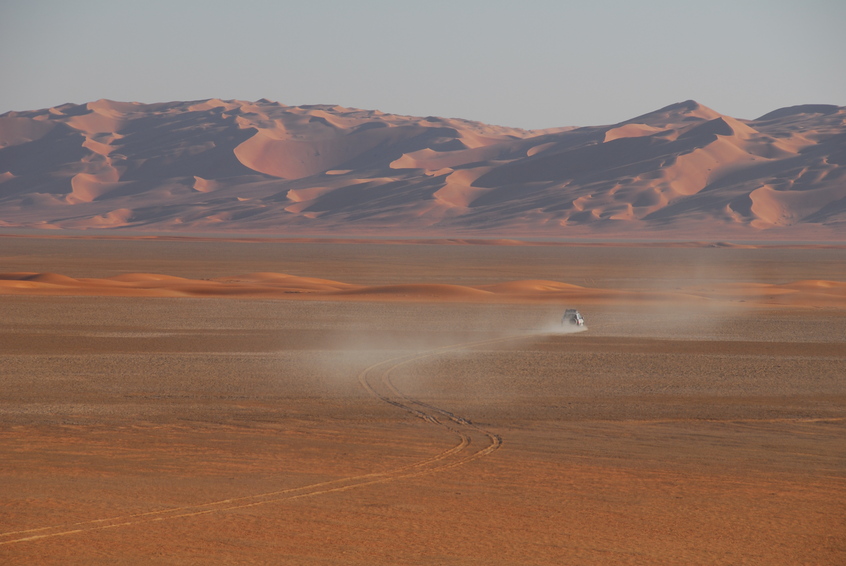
{"x":473,"y":442}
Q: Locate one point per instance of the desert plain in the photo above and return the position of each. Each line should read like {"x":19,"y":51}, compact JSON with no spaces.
{"x":177,"y":400}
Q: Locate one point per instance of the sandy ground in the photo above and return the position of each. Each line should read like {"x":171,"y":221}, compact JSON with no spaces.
{"x":242,"y":430}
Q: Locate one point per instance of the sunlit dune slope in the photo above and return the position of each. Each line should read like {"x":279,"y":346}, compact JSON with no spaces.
{"x":234,"y":166}
{"x":810,"y":293}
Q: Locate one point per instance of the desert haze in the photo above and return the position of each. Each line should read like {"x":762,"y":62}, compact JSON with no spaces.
{"x":684,"y":171}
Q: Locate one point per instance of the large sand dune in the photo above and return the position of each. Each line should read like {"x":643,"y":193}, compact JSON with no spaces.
{"x":214,"y":165}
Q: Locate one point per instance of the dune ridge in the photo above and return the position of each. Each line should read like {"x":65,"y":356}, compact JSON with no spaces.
{"x":806,"y":293}
{"x":238,"y":166}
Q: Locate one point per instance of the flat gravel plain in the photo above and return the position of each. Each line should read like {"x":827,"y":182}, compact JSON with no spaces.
{"x":189,"y":430}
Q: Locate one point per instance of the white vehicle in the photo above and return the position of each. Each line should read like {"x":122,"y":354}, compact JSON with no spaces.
{"x":572,"y":317}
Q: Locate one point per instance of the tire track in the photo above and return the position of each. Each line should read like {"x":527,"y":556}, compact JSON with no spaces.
{"x":473,"y":442}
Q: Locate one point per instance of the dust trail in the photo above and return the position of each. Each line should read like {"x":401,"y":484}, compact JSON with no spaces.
{"x":473,"y":442}
{"x":557,"y":328}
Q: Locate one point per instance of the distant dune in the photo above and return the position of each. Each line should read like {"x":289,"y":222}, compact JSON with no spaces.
{"x":684,"y":171}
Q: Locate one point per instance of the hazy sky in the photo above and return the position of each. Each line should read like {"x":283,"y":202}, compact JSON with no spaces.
{"x":530,"y":64}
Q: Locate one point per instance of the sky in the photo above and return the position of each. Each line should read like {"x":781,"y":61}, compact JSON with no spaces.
{"x":528,"y":64}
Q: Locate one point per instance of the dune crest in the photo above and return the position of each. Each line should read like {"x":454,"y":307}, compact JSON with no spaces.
{"x":684,"y":170}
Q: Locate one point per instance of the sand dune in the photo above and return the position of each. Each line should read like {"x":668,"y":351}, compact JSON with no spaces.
{"x":223,"y":166}
{"x":435,"y":292}
{"x":810,"y":293}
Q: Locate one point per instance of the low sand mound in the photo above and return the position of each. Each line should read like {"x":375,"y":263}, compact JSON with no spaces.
{"x":154,"y":284}
{"x":807,"y":293}
{"x":286,"y":283}
{"x":817,"y":292}
{"x":810,"y":293}
{"x":530,"y":286}
{"x":818,"y":285}
{"x":50,"y":279}
{"x":24,"y":281}
{"x":146,"y":278}
{"x":435,"y":292}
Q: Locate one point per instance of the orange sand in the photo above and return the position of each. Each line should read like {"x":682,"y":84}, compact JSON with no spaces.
{"x":432,"y":410}
{"x":804,"y":294}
